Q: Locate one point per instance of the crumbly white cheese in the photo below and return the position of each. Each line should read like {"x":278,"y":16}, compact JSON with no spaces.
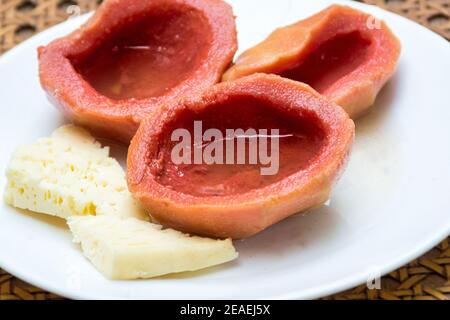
{"x":68,"y":174}
{"x":131,"y":248}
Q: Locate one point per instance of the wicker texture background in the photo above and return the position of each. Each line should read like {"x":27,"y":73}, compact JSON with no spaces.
{"x":427,"y":278}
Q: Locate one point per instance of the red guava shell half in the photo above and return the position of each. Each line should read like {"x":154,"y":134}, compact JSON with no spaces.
{"x":367,"y":49}
{"x":240,"y":215}
{"x":118,"y":119}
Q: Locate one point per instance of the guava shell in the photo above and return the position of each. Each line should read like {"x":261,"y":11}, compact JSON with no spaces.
{"x":119,"y":119}
{"x":287,"y":47}
{"x":241,"y":215}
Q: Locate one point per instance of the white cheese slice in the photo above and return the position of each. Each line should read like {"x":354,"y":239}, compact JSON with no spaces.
{"x":131,"y":248}
{"x":68,"y":174}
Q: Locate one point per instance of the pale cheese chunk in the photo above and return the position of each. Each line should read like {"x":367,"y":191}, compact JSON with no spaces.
{"x":66,"y":174}
{"x":132,"y":249}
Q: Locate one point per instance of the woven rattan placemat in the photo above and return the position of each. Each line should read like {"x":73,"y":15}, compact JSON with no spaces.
{"x":426,"y":278}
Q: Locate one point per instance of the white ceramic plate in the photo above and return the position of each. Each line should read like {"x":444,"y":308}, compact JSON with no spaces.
{"x":391,"y":205}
